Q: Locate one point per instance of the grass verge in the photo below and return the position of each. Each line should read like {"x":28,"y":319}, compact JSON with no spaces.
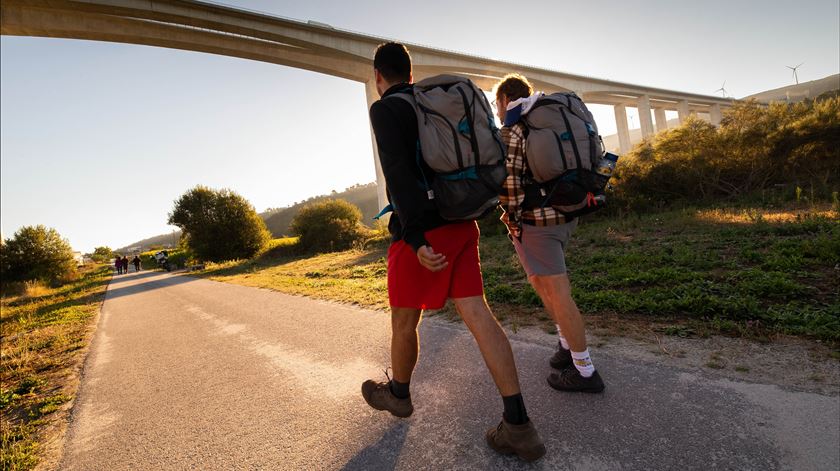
{"x":44,"y":334}
{"x":746,"y":272}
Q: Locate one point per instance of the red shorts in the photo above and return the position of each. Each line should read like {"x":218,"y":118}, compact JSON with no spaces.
{"x":412,"y":285}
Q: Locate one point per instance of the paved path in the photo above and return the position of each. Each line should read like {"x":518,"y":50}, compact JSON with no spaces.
{"x":193,"y":374}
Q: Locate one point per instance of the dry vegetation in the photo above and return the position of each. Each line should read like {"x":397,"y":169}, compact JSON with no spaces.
{"x":45,"y":332}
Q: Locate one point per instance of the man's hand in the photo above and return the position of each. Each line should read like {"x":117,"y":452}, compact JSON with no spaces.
{"x":433,"y":261}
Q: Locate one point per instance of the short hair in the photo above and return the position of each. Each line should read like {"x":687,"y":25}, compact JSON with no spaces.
{"x":393,"y":62}
{"x":513,"y":86}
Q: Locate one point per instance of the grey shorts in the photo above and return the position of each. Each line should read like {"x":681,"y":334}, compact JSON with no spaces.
{"x":542,"y":250}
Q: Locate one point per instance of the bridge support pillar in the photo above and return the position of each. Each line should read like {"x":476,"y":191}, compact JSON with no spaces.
{"x":644,"y":116}
{"x":682,"y":111}
{"x":623,"y":128}
{"x":373,"y":95}
{"x":714,"y":114}
{"x":661,"y":119}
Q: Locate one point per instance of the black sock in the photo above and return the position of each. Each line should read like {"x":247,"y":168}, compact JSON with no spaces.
{"x":515,"y":413}
{"x":400,"y":390}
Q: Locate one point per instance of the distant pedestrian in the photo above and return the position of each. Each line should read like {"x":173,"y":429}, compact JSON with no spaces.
{"x":136,"y":263}
{"x":118,"y":264}
{"x":125,"y":263}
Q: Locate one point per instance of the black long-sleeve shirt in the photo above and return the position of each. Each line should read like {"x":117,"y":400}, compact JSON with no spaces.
{"x":395,"y":127}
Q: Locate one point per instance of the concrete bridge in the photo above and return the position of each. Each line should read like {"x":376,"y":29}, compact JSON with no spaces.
{"x":218,"y":29}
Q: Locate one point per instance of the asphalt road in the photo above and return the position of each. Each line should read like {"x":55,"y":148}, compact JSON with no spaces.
{"x":186,"y":373}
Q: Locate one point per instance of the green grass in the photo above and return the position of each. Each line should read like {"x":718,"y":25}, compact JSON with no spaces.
{"x":44,"y":332}
{"x":740,"y":271}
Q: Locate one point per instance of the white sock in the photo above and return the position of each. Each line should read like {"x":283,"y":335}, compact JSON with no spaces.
{"x":563,"y":342}
{"x":583,"y":363}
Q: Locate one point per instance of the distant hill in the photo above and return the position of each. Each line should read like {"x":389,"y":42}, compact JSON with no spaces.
{"x":163,"y":240}
{"x":278,"y":219}
{"x":363,"y":196}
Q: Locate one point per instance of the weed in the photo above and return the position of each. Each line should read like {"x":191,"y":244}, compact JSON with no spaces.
{"x":42,"y":337}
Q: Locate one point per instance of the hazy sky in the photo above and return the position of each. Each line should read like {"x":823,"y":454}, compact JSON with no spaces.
{"x":98,"y":139}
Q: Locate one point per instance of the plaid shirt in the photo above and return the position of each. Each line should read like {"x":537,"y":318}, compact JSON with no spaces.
{"x":514,"y":215}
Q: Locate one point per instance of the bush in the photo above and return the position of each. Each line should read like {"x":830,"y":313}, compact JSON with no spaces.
{"x":102,"y":254}
{"x":754,"y":148}
{"x":218,"y":225}
{"x":328,"y":225}
{"x":37,"y":253}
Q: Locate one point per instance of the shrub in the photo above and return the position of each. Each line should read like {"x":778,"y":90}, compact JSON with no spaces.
{"x":754,"y":148}
{"x":102,"y":254}
{"x":218,"y":225}
{"x":37,"y":253}
{"x":328,"y":225}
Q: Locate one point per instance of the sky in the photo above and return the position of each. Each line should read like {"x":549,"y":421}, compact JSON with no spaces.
{"x":98,"y":139}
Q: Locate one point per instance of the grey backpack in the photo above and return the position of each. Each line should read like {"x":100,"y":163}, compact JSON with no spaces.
{"x":459,"y":141}
{"x":562,"y":136}
{"x":563,"y":150}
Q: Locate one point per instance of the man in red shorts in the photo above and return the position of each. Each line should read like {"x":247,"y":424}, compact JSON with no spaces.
{"x":430,"y":260}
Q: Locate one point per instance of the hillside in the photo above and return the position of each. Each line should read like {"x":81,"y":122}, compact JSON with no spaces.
{"x":163,"y":240}
{"x":363,"y":196}
{"x":278,"y":219}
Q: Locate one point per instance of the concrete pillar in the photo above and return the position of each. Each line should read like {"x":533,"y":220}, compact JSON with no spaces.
{"x":682,"y":111}
{"x":661,"y":119}
{"x":623,"y":129}
{"x":372,"y":96}
{"x":715,"y":115}
{"x":645,"y":120}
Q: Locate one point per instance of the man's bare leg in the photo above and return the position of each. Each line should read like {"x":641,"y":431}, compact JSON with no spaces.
{"x":492,"y":342}
{"x":394,"y":396}
{"x":555,"y":291}
{"x":405,"y":345}
{"x":556,"y":294}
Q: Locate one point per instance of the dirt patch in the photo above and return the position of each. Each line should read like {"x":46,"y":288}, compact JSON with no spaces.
{"x":801,"y":364}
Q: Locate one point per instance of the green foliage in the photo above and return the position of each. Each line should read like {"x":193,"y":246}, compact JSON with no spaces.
{"x":218,"y":225}
{"x":177,"y":258}
{"x":328,"y":225}
{"x":754,"y":148}
{"x":102,"y":254}
{"x":42,"y":344}
{"x":279,"y":220}
{"x":37,"y":253}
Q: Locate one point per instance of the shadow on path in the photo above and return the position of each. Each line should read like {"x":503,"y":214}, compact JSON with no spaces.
{"x":383,"y":454}
{"x":163,"y":281}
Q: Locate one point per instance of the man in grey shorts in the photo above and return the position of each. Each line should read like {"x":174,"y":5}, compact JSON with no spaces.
{"x":540,"y":237}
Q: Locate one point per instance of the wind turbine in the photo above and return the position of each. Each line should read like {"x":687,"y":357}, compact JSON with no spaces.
{"x":722,"y":89}
{"x":795,"y":77}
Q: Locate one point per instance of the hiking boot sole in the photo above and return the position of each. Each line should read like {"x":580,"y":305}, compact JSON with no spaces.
{"x":587,"y":389}
{"x":529,"y":455}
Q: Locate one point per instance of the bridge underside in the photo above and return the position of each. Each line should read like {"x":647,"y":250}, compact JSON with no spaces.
{"x":215,"y":29}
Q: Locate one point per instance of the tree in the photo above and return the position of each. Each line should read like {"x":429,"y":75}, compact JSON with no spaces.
{"x":218,"y":225}
{"x":37,"y":253}
{"x":102,"y":254}
{"x":327,"y":225}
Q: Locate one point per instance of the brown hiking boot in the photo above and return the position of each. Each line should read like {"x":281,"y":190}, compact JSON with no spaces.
{"x":521,"y":440}
{"x":380,"y":397}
